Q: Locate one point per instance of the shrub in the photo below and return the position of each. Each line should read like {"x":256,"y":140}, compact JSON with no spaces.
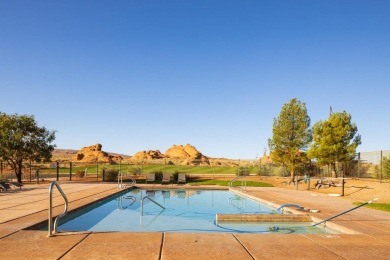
{"x":135,"y":170}
{"x":80,"y":174}
{"x":242,"y":171}
{"x":111,"y":175}
{"x":386,"y":167}
{"x":158,"y":175}
{"x":264,"y":170}
{"x":281,"y":171}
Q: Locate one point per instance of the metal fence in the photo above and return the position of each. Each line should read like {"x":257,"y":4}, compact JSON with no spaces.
{"x":366,"y":165}
{"x":374,"y":164}
{"x":34,"y":172}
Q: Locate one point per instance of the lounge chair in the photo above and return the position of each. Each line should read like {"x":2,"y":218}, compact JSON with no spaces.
{"x":16,"y":184}
{"x":181,"y":178}
{"x":4,"y":186}
{"x":151,"y":177}
{"x":150,"y":193}
{"x":181,"y":194}
{"x":166,"y":194}
{"x":166,"y":178}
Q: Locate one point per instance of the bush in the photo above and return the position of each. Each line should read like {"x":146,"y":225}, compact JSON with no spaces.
{"x":135,"y":170}
{"x":281,"y":171}
{"x":111,"y":175}
{"x":242,"y":171}
{"x":386,"y":167}
{"x":80,"y":174}
{"x":158,"y":175}
{"x":264,"y":170}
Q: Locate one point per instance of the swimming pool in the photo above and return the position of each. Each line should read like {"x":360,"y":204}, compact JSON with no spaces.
{"x":176,"y":211}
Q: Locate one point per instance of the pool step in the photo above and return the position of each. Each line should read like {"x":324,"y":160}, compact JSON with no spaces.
{"x":262,"y":218}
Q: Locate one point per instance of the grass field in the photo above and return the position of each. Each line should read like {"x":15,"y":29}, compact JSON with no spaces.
{"x":188,"y":169}
{"x":226,"y":183}
{"x":378,"y":206}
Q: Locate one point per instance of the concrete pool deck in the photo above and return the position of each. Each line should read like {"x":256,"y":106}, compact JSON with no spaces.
{"x":20,"y":209}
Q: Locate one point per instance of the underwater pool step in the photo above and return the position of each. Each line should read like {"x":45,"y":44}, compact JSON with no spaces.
{"x":262,"y":218}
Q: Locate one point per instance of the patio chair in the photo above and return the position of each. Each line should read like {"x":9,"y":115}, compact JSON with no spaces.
{"x":4,"y":186}
{"x":166,"y":194}
{"x":151,"y":177}
{"x":16,"y":184}
{"x":181,"y":194}
{"x":150,"y":193}
{"x":166,"y":178}
{"x":181,"y":178}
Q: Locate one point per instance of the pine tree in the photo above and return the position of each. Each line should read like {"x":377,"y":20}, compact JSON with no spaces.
{"x":334,"y":141}
{"x":291,"y":134}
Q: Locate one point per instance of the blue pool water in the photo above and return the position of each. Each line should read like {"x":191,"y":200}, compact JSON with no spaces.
{"x":185,"y":211}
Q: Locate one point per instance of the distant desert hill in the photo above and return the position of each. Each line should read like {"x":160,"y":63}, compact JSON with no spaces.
{"x":62,"y":154}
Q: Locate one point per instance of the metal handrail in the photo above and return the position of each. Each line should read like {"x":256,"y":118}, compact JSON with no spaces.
{"x":289,"y":205}
{"x":243,"y":182}
{"x":151,"y":221}
{"x":342,"y":213}
{"x":53,"y":230}
{"x":152,"y":200}
{"x":233,"y":180}
{"x":120,"y":201}
{"x":133,"y":181}
{"x":243,"y":203}
{"x":120,"y":181}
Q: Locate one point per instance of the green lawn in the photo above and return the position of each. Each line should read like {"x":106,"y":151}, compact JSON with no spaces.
{"x":188,"y":169}
{"x":226,"y":183}
{"x":378,"y":206}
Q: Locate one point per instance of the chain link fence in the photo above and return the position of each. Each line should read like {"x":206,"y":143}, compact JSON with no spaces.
{"x":374,"y":165}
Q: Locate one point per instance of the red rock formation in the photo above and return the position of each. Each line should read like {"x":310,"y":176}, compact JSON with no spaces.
{"x":187,"y":155}
{"x":148,"y":155}
{"x":94,"y":153}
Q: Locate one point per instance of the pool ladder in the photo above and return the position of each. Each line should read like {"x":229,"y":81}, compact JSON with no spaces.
{"x":243,"y":182}
{"x":240,"y":205}
{"x":53,"y":228}
{"x":120,"y":181}
{"x":152,"y":200}
{"x":120,"y":201}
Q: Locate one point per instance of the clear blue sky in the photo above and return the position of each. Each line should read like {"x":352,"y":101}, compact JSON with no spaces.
{"x":146,"y":74}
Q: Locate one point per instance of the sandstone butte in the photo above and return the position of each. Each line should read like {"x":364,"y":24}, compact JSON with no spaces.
{"x":94,"y":153}
{"x":176,"y":154}
{"x":148,"y":155}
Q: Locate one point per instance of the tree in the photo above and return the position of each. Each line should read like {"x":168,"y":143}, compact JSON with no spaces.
{"x":291,"y":135}
{"x":334,"y":140}
{"x":386,"y":167}
{"x":22,"y":139}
